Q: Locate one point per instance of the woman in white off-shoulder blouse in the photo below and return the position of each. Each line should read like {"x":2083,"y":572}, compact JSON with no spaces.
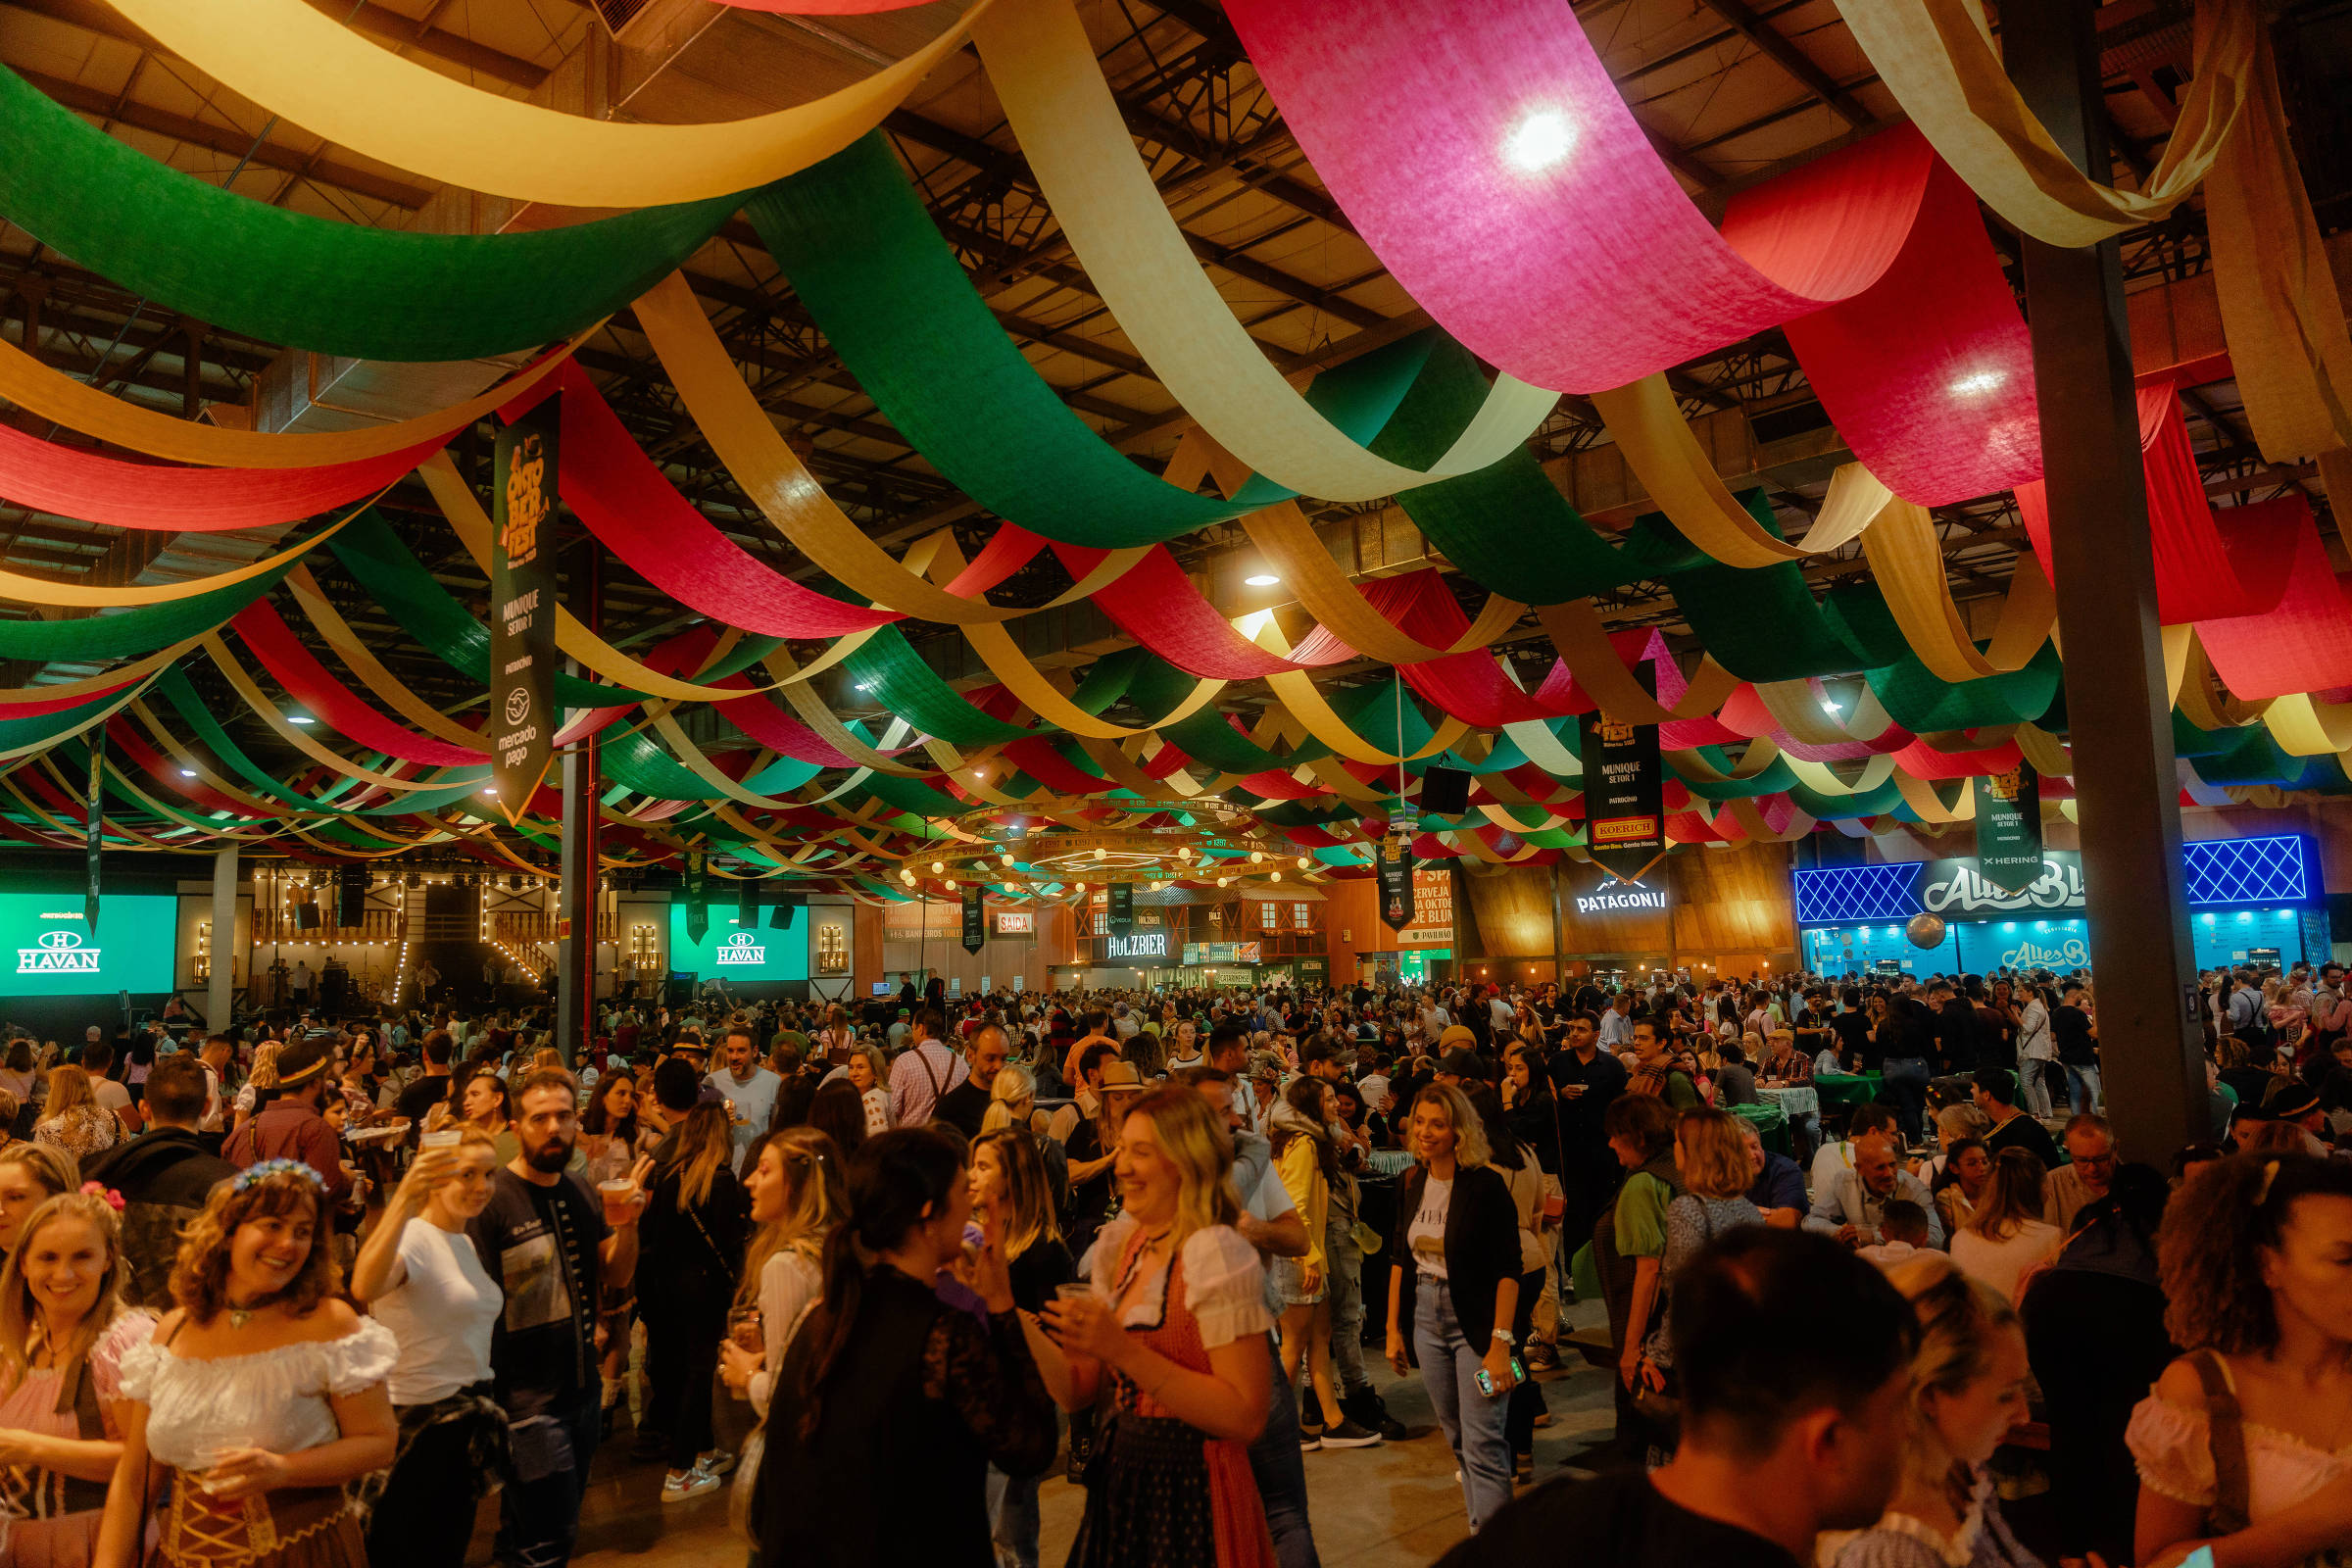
{"x":260,"y":1396}
{"x":2246,"y":1442}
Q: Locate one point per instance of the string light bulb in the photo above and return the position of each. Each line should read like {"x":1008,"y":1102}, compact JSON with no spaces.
{"x":1257,"y":857}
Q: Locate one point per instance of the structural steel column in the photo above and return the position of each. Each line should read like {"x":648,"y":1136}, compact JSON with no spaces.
{"x":576,"y":908}
{"x":219,"y":994}
{"x":2118,"y":711}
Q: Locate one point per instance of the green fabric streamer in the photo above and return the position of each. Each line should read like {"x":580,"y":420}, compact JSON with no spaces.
{"x":864,"y":255}
{"x":1763,"y":623}
{"x":1206,"y":737}
{"x":40,"y":727}
{"x":1925,"y":704}
{"x":1507,"y":526}
{"x":126,"y":634}
{"x":379,"y":563}
{"x":896,"y":677}
{"x":907,"y":794}
{"x":176,"y":691}
{"x":307,"y":282}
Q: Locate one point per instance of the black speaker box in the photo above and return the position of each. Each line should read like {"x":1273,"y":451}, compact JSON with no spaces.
{"x":1445,"y":791}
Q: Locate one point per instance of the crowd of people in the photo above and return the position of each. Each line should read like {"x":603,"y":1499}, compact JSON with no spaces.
{"x":305,"y":1293}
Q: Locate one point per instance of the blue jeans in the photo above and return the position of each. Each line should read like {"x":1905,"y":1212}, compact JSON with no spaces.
{"x":539,"y":1519}
{"x":1907,"y":1081}
{"x":1473,"y":1422}
{"x":1014,"y":1517}
{"x":1346,"y":1275}
{"x":1281,"y":1475}
{"x":2081,"y":1087}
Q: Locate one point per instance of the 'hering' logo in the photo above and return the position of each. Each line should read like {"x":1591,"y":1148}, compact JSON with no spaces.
{"x":57,"y":952}
{"x":740,"y":948}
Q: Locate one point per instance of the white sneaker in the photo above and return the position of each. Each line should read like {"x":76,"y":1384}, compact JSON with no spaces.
{"x":679,"y":1485}
{"x":717,"y":1462}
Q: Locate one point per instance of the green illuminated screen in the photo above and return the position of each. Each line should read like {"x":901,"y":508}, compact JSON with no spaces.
{"x":46,"y":951}
{"x":737,"y":953}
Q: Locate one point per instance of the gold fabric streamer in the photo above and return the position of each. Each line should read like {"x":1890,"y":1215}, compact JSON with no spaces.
{"x":364,"y":664}
{"x":256,"y":698}
{"x":77,"y":406}
{"x":1576,"y":631}
{"x":1043,"y":67}
{"x":1666,"y":457}
{"x":303,"y":64}
{"x":134,"y":674}
{"x":81,"y":595}
{"x":1938,"y":60}
{"x":1908,"y":562}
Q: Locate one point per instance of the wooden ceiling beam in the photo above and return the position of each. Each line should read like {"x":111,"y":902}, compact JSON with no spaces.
{"x":1773,"y":45}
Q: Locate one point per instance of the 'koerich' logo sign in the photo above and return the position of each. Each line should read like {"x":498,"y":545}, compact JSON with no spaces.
{"x":57,"y":952}
{"x":741,"y":947}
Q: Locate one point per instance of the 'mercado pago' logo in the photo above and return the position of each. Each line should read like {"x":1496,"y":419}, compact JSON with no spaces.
{"x":741,"y":947}
{"x":57,"y":952}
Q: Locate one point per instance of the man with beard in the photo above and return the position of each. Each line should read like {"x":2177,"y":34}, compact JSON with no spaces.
{"x":552,"y":1246}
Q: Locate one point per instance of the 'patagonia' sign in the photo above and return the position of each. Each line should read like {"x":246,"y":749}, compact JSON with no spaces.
{"x":1614,"y":896}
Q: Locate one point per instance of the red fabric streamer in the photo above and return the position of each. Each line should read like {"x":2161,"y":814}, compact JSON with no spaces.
{"x":625,"y":501}
{"x":1156,"y":604}
{"x":1929,"y":372}
{"x":1922,"y":760}
{"x":334,"y":703}
{"x":2209,"y":566}
{"x":2302,"y":644}
{"x":71,"y":482}
{"x":1484,"y":155}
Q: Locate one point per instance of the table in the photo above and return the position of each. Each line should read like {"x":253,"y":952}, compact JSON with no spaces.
{"x":1772,"y":1127}
{"x":1795,"y":1100}
{"x":1835,"y":1089}
{"x":1390,"y":1162}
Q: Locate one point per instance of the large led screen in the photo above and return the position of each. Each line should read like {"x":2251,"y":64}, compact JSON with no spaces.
{"x":49,"y":950}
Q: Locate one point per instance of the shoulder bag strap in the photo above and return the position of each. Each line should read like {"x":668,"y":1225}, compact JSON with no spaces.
{"x":2226,"y":1436}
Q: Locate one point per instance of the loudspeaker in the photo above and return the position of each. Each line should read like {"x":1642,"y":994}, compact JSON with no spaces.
{"x":351,"y":895}
{"x":1445,"y":791}
{"x":749,"y":915}
{"x":306,"y":915}
{"x":782,"y":917}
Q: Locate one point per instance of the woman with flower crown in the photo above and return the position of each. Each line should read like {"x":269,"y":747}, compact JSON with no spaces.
{"x":261,"y":1396}
{"x":63,"y":1333}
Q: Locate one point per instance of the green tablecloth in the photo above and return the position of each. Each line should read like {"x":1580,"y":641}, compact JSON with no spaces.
{"x":1837,"y":1090}
{"x":1771,"y":1125}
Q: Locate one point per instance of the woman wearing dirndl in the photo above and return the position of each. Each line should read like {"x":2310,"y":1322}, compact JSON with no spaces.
{"x":1175,"y":1317}
{"x":261,"y":1398}
{"x":62,"y":1331}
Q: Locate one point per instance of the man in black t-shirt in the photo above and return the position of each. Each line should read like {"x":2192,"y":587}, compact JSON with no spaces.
{"x":1796,"y":1364}
{"x":431,"y":1087}
{"x":544,"y":1239}
{"x":1996,"y":1096}
{"x":2077,"y":1039}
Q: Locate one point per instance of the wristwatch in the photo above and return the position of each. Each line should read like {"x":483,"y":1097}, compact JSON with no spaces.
{"x":1504,"y":1335}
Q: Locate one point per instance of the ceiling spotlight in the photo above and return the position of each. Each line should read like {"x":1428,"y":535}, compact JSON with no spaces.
{"x":1538,"y":141}
{"x":300,"y":718}
{"x":866,"y":686}
{"x":1977,"y":385}
{"x":187,"y":772}
{"x":491,"y":791}
{"x":1261,"y":579}
{"x":1829,"y":704}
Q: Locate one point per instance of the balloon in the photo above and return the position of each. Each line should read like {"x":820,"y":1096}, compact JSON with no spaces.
{"x":1925,"y":930}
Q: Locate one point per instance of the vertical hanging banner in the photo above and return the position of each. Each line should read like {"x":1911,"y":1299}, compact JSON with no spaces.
{"x":2009,"y":828}
{"x":696,"y":889}
{"x":975,"y":922}
{"x":1394,"y":868}
{"x":522,"y":607}
{"x":1625,"y":817}
{"x":93,"y":839}
{"x":1122,"y":909}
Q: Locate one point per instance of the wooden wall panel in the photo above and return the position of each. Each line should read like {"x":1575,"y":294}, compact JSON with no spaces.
{"x":1508,"y":913}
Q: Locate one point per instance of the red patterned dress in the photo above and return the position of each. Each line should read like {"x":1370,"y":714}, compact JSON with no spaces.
{"x":1161,"y":1490}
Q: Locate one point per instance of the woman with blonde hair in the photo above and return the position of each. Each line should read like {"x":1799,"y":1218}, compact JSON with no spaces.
{"x":2243,"y":1444}
{"x":692,"y":1236}
{"x":75,"y":1121}
{"x":1456,"y":1280}
{"x":1011,"y":1099}
{"x":63,"y":1333}
{"x":30,"y":1174}
{"x":795,"y":1199}
{"x":259,"y":1396}
{"x":2005,"y":1237}
{"x":1176,"y":1319}
{"x":1967,"y":1388}
{"x":1710,"y":1154}
{"x":426,"y":1282}
{"x":871,"y":1078}
{"x":837,"y":1037}
{"x":259,"y":1084}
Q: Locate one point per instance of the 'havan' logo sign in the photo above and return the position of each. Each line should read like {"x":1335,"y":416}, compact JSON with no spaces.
{"x":57,"y":952}
{"x":741,"y":947}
